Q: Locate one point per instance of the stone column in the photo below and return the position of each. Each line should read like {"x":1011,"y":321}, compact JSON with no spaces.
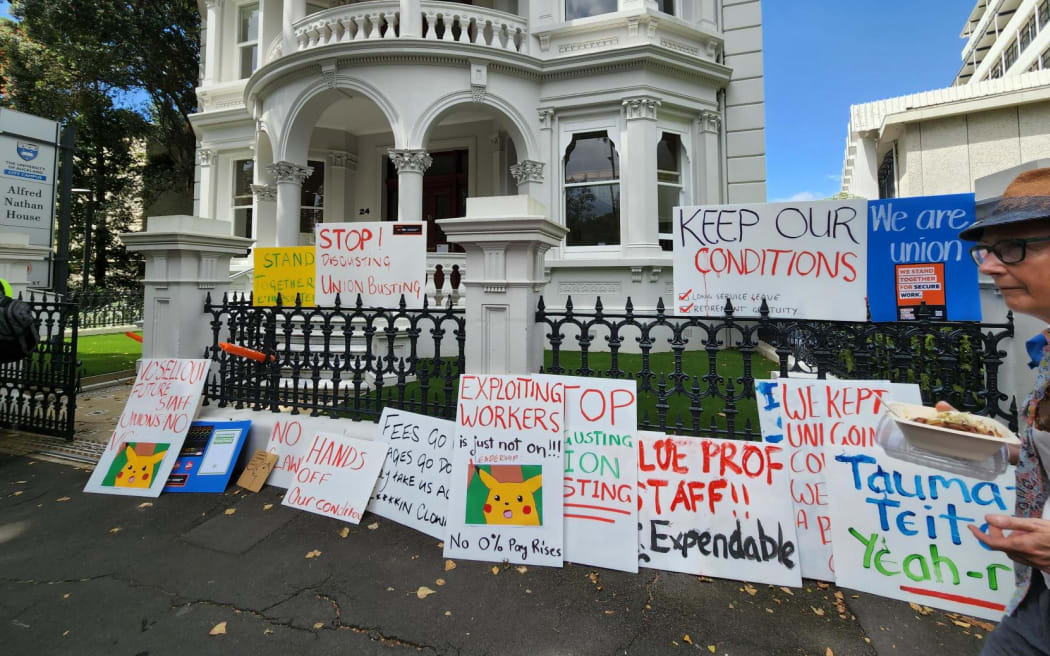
{"x":293,"y":11}
{"x":640,"y":230}
{"x":186,"y":258}
{"x":528,"y":173}
{"x":708,"y":127}
{"x":411,"y":164}
{"x":16,"y":256}
{"x":206,"y":160}
{"x":265,"y":215}
{"x":340,"y":164}
{"x":411,"y":19}
{"x":506,"y":238}
{"x":865,"y":182}
{"x":290,"y":177}
{"x":212,"y":52}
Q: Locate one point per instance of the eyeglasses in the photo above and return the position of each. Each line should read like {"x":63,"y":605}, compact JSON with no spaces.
{"x":1007,"y":251}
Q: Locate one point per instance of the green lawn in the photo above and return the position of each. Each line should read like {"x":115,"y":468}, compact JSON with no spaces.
{"x":104,"y":354}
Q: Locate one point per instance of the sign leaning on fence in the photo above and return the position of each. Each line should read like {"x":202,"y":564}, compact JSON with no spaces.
{"x":336,"y":477}
{"x":380,"y":260}
{"x":808,"y":260}
{"x":150,"y":431}
{"x":286,"y":271}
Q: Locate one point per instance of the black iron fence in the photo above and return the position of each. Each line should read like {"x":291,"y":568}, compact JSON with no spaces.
{"x":338,"y":361}
{"x":105,"y":308}
{"x":38,"y":394}
{"x":696,"y":375}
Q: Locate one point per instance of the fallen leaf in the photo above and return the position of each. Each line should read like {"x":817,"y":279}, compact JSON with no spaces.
{"x":318,"y":625}
{"x":822,"y":585}
{"x":964,"y":625}
{"x":61,"y":499}
{"x":313,"y":554}
{"x":610,"y":612}
{"x":819,"y":612}
{"x":521,"y":569}
{"x":230,"y":511}
{"x":67,"y":595}
{"x":441,"y":545}
{"x":218,"y":629}
{"x":447,"y":613}
{"x":528,"y":590}
{"x":786,"y":590}
{"x":345,"y":532}
{"x":711,"y":648}
{"x":390,"y":589}
{"x":115,"y":530}
{"x":687,"y":640}
{"x":145,"y":504}
{"x":17,"y":493}
{"x":750,"y":589}
{"x":373,"y":526}
{"x":593,"y":576}
{"x":495,"y":570}
{"x":267,"y":631}
{"x":268,"y":506}
{"x":449,"y":565}
{"x":65,"y":633}
{"x":987,"y":626}
{"x":423,"y":592}
{"x":828,"y":652}
{"x":769,"y":610}
{"x":439,"y":582}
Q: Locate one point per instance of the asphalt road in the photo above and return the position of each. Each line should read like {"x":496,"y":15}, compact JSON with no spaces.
{"x":95,"y":574}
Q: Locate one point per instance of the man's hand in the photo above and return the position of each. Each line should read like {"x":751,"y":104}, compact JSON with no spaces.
{"x":1028,"y":542}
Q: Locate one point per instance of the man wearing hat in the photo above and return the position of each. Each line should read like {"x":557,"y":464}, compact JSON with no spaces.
{"x":1013,"y":249}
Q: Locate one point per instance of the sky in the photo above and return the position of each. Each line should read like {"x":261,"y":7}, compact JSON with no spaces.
{"x":821,"y":56}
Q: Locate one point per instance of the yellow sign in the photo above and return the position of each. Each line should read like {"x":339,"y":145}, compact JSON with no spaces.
{"x":285,"y":271}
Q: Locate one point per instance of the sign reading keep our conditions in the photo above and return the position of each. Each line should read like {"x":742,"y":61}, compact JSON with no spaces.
{"x":807,"y":260}
{"x":380,"y":261}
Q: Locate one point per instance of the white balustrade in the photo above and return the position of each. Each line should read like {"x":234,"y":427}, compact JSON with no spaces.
{"x":341,"y":24}
{"x":447,"y":21}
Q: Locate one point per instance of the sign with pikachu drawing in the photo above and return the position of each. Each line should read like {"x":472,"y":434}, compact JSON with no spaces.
{"x":506,"y":486}
{"x":149,"y":434}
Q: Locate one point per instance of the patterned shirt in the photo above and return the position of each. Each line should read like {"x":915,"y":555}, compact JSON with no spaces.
{"x":1033,"y":486}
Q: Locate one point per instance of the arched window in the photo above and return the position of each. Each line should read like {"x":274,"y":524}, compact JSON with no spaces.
{"x":592,"y":190}
{"x":585,"y":8}
{"x":668,"y":183}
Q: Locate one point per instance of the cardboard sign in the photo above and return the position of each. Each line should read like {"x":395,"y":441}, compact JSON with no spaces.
{"x":336,"y":477}
{"x":716,"y":507}
{"x":506,"y":501}
{"x":413,"y":487}
{"x":899,"y":530}
{"x":290,"y":439}
{"x":601,"y":467}
{"x":207,"y":457}
{"x":808,"y":260}
{"x":380,"y":260}
{"x":148,"y":437}
{"x":254,"y":475}
{"x":915,"y":255}
{"x":804,"y":416}
{"x":287,"y":271}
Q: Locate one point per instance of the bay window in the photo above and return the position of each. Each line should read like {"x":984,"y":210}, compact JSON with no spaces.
{"x":247,"y":39}
{"x":592,"y":190}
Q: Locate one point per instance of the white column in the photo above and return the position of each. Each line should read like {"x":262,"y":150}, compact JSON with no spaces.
{"x":290,"y":177}
{"x":411,"y":164}
{"x":865,"y":181}
{"x":639,"y":228}
{"x":411,"y":19}
{"x":294,"y":10}
{"x":270,"y":15}
{"x":212,"y":52}
{"x":708,"y":127}
{"x":186,"y":258}
{"x":528,"y":173}
{"x":506,"y":238}
{"x":16,"y":256}
{"x":340,"y":163}
{"x":265,"y":215}
{"x":207,"y":161}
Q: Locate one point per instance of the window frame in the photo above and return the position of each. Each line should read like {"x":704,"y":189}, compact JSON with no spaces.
{"x":568,"y":137}
{"x":235,"y":162}
{"x":242,"y":45}
{"x":565,"y":11}
{"x":680,"y":185}
{"x":1042,"y":11}
{"x":318,"y":163}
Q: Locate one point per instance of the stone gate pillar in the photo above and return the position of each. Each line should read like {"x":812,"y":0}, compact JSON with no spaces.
{"x":506,"y":238}
{"x":16,"y":256}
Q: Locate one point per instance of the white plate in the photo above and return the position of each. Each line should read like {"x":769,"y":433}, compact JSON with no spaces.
{"x":948,"y":441}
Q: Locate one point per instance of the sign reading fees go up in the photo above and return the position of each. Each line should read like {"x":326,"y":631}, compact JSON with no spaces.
{"x":380,"y":261}
{"x":806,"y":259}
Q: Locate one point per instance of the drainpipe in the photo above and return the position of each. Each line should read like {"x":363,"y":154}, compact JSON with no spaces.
{"x":722,"y":162}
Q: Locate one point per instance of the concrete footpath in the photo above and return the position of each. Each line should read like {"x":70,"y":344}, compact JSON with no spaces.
{"x":239,"y":573}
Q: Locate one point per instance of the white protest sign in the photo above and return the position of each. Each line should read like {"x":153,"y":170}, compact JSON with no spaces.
{"x":413,"y":488}
{"x":151,"y":429}
{"x":716,"y":507}
{"x":506,"y":501}
{"x":601,"y":467}
{"x":804,"y":415}
{"x":808,"y":260}
{"x":336,"y":477}
{"x":290,"y":438}
{"x":899,"y":530}
{"x":380,"y":260}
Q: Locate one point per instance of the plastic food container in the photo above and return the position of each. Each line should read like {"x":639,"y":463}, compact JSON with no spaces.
{"x":948,"y":441}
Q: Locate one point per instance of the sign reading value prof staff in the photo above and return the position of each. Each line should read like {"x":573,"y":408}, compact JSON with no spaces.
{"x":380,"y":261}
{"x":28,"y":166}
{"x":806,"y":259}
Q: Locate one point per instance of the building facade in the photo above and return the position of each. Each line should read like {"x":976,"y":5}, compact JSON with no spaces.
{"x":608,"y":112}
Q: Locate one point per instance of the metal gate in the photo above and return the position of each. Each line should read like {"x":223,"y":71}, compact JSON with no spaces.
{"x":38,"y":394}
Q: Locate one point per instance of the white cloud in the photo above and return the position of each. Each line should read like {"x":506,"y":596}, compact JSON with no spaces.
{"x":801,"y":197}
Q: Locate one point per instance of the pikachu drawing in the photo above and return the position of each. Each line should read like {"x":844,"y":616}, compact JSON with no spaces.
{"x":138,"y":472}
{"x":511,"y":503}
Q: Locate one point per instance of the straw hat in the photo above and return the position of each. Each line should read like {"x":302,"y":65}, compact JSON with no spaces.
{"x":1026,"y":199}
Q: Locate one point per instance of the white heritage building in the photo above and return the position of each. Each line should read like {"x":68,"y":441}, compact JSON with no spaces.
{"x":606,"y":112}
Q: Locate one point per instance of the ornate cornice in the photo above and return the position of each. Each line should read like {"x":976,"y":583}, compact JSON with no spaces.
{"x":527,"y":170}
{"x":710,"y":121}
{"x":342,"y":159}
{"x":290,"y":172}
{"x":264,"y":192}
{"x":205,"y":157}
{"x":641,"y":107}
{"x":410,"y":160}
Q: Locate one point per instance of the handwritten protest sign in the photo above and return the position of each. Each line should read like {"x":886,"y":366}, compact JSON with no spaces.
{"x":915,"y":256}
{"x":899,"y":530}
{"x":150,"y":431}
{"x":413,"y":487}
{"x":802,"y":416}
{"x":287,"y":271}
{"x":381,"y":261}
{"x":601,"y":466}
{"x":336,"y":477}
{"x":715,"y":507}
{"x":290,"y":439}
{"x":808,"y":260}
{"x":506,"y":501}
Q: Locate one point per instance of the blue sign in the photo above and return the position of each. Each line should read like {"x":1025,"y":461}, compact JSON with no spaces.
{"x":915,"y":256}
{"x":27,"y":151}
{"x":208,"y":456}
